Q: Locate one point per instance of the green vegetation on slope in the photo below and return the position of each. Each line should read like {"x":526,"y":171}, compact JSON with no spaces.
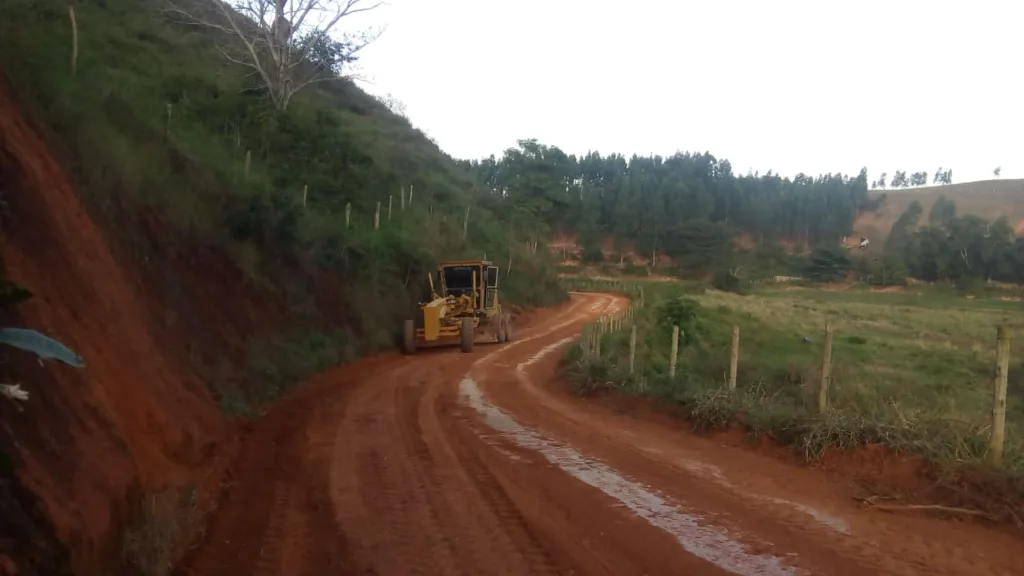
{"x":155,"y":122}
{"x":912,"y":372}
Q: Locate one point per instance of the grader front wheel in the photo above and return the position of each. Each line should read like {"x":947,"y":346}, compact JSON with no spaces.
{"x":466,"y":332}
{"x":508,"y":327}
{"x":408,"y":337}
{"x":499,"y":328}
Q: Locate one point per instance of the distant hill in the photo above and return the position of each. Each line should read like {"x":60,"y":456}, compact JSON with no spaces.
{"x":988,"y":198}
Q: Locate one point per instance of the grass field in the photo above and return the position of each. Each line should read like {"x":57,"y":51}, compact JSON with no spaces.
{"x":914,"y":372}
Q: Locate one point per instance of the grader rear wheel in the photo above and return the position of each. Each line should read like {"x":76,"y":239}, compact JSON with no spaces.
{"x":508,"y":327}
{"x":466,"y":332}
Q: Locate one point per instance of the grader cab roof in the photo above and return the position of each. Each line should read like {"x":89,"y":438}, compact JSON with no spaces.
{"x":458,"y":263}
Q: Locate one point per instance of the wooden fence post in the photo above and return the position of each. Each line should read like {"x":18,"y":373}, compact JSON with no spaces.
{"x":348,"y":215}
{"x":410,"y":194}
{"x":675,"y":351}
{"x":402,"y":196}
{"x":826,"y":370}
{"x":465,"y":223}
{"x":600,"y":333}
{"x":734,"y":357}
{"x":305,"y":191}
{"x":376,"y":218}
{"x":632,"y":348}
{"x":248,"y":162}
{"x":391,"y":198}
{"x":995,"y":446}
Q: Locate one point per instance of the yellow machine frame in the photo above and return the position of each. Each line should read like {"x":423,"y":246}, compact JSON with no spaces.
{"x":453,"y":315}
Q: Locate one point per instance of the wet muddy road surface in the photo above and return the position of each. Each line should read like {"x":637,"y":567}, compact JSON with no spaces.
{"x":450,"y":463}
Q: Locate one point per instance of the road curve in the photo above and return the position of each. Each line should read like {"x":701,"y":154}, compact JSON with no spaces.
{"x":451,"y":463}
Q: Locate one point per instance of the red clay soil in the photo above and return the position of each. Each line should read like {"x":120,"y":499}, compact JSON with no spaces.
{"x":451,"y":463}
{"x":138,"y":419}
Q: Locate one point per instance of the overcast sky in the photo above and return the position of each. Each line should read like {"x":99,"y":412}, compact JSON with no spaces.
{"x":812,"y":86}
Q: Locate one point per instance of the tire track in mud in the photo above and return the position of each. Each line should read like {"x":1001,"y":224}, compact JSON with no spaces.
{"x":471,"y":488}
{"x":447,"y":518}
{"x":386,"y":467}
{"x":383,"y":500}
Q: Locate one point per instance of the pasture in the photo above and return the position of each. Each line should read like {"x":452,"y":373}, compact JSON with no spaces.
{"x":913,"y":370}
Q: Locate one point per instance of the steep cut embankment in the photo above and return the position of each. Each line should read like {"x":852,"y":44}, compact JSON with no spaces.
{"x":137,"y":420}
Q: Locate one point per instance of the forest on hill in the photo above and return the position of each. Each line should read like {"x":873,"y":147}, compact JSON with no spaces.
{"x":669,"y":203}
{"x":690,"y":206}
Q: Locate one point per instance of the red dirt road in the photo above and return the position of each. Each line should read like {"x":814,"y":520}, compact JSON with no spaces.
{"x":451,"y":463}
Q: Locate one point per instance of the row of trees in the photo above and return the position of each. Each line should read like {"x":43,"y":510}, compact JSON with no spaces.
{"x":900,"y":179}
{"x":688,"y":205}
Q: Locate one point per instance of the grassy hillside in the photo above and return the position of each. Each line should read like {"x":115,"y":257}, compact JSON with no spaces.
{"x":989,"y":199}
{"x":154,"y":122}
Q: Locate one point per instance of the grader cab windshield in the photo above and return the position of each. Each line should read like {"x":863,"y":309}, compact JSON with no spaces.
{"x":457,"y":280}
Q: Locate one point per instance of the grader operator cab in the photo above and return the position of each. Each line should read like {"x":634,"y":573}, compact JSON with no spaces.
{"x":463,"y":304}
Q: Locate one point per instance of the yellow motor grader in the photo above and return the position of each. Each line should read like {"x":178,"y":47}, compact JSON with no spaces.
{"x":463,"y":305}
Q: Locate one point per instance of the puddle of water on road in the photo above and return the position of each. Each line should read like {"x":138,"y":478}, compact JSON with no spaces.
{"x":709,"y":543}
{"x":543,"y":352}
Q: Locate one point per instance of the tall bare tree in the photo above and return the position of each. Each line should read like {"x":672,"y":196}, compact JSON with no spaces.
{"x":286,"y":44}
